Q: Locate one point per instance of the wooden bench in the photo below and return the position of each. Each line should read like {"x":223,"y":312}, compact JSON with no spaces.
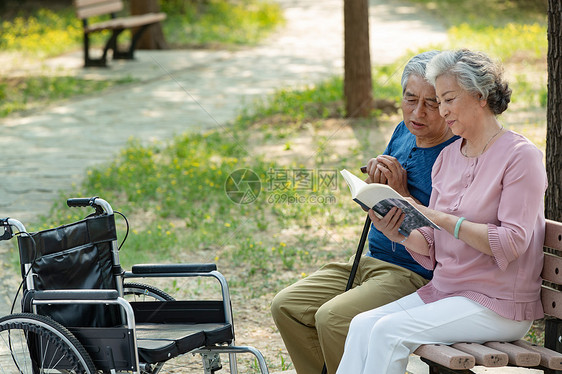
{"x":91,"y":8}
{"x":461,"y":357}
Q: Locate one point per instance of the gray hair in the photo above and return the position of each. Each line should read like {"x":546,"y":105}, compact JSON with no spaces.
{"x":416,"y":65}
{"x":476,"y":73}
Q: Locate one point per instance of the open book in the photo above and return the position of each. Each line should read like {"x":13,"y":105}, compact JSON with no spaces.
{"x":381,"y":198}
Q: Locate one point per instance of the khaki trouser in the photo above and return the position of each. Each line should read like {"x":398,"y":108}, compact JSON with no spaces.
{"x":313,"y":315}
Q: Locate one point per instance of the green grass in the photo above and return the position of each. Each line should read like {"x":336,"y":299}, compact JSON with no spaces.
{"x":509,"y":42}
{"x":19,"y":94}
{"x":484,"y":13}
{"x":180,"y":187}
{"x":322,"y":100}
{"x":219,"y":22}
{"x":514,"y":29}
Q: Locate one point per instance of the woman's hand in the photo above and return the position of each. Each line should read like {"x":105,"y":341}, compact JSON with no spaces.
{"x":389,"y":224}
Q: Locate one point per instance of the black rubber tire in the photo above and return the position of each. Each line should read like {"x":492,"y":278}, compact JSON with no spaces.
{"x":144,"y":292}
{"x":23,"y":335}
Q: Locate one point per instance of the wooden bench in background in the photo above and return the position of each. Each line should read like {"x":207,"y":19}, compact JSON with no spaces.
{"x":461,"y":357}
{"x":91,"y":8}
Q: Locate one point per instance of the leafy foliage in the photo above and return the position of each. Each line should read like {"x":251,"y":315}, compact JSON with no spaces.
{"x":44,"y":32}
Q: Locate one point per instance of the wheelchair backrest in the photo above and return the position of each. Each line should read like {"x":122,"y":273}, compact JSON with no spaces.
{"x":73,"y":256}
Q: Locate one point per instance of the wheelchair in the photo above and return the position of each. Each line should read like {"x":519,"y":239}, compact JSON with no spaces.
{"x":82,"y":314}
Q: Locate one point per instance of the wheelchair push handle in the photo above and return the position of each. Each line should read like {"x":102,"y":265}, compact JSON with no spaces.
{"x":7,"y":224}
{"x":80,"y":201}
{"x":100,"y":205}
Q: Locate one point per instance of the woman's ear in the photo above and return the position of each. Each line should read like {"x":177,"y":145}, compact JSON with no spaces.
{"x":483,"y":101}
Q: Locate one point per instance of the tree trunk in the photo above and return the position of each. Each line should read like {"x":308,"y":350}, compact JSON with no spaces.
{"x":553,"y":201}
{"x":153,"y":37}
{"x":357,"y":59}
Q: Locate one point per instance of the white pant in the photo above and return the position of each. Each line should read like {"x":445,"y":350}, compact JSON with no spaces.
{"x":380,"y":340}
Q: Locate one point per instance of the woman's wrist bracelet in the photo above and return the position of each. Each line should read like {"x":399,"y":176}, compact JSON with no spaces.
{"x":458,"y":226}
{"x":403,"y":240}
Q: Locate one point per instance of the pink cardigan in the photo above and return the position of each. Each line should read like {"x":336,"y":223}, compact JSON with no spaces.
{"x":504,"y":188}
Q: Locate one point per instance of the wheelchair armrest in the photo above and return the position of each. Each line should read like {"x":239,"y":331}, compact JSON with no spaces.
{"x":184,"y":270}
{"x":172,"y":268}
{"x":76,"y":295}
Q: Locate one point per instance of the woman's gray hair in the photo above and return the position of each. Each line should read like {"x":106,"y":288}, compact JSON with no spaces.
{"x":476,"y":73}
{"x":416,"y":65}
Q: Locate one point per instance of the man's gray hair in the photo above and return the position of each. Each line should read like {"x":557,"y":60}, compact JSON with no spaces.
{"x":416,"y":65}
{"x":475,"y":72}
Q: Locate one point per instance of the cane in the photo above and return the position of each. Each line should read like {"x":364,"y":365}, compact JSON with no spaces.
{"x":355,"y":265}
{"x":360,"y":247}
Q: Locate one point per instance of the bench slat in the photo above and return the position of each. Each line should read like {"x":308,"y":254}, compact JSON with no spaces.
{"x":126,"y":22}
{"x":484,"y":355}
{"x":552,"y":268}
{"x":551,"y":301}
{"x":549,"y":358}
{"x":518,"y":356}
{"x":142,"y":19}
{"x":446,"y":356}
{"x":98,"y":9}
{"x":553,"y":235}
{"x":84,"y":3}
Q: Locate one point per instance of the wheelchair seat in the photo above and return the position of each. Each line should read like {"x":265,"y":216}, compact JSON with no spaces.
{"x":161,"y":342}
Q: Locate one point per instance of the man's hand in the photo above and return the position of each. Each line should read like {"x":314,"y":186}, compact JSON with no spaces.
{"x":394,"y":174}
{"x":387,"y":170}
{"x":374,"y":173}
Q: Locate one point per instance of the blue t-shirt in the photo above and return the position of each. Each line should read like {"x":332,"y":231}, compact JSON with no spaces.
{"x":418,"y":163}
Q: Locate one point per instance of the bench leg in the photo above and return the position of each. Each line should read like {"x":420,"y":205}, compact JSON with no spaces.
{"x":112,"y":44}
{"x":129,"y":54}
{"x":102,"y":61}
{"x":553,"y":338}
{"x":89,"y":62}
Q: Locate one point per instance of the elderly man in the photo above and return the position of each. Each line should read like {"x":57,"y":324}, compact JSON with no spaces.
{"x":313,"y":315}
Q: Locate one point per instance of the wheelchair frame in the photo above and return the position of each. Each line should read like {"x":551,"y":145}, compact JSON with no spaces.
{"x":115,"y":348}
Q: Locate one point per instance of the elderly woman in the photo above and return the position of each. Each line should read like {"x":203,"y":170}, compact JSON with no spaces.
{"x":487,"y":198}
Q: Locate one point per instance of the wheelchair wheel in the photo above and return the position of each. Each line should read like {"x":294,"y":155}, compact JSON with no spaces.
{"x":31,"y":343}
{"x":144,"y":292}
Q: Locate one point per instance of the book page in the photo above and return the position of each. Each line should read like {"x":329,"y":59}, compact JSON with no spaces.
{"x":368,"y":194}
{"x":372,"y":194}
{"x":381,"y":198}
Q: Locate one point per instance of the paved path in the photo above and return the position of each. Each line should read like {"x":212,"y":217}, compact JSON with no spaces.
{"x":44,"y":152}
